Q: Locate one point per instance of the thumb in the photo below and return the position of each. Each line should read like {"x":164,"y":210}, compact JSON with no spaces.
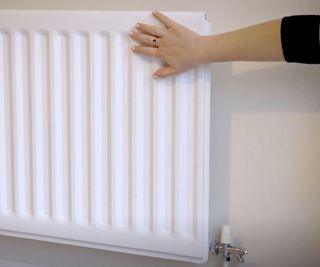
{"x":164,"y":72}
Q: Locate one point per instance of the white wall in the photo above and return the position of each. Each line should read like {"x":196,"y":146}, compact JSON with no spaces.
{"x":265,"y":160}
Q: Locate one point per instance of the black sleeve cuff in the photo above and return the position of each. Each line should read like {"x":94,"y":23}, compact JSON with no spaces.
{"x":300,"y":38}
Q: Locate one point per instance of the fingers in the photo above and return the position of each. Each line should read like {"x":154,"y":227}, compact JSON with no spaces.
{"x":150,"y":36}
{"x":144,"y":39}
{"x":164,"y":72}
{"x":151,"y":30}
{"x":145,"y":50}
{"x":163,"y":19}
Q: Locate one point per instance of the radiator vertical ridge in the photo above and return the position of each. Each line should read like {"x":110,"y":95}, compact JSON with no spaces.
{"x":184,"y":155}
{"x":14,"y":74}
{"x":190,"y":199}
{"x":139,"y":148}
{"x":95,"y":157}
{"x":134,"y":167}
{"x":13,"y":119}
{"x":196,"y":150}
{"x":173,"y":155}
{"x":30,"y":124}
{"x":30,"y":133}
{"x":88,"y":128}
{"x":69,"y":61}
{"x":176,"y":162}
{"x":57,"y":167}
{"x":11,"y":84}
{"x":80,"y":116}
{"x":162,"y":160}
{"x":60,"y":128}
{"x":50,"y":77}
{"x":22,"y":126}
{"x":3,"y":134}
{"x":99,"y":130}
{"x":33,"y":47}
{"x":65,"y":39}
{"x":108,"y":84}
{"x":113,"y":136}
{"x":71,"y":131}
{"x":39,"y":129}
{"x":78,"y":132}
{"x":9,"y":145}
{"x":129,"y":136}
{"x":151,"y":153}
{"x":120,"y":134}
{"x":110,"y":128}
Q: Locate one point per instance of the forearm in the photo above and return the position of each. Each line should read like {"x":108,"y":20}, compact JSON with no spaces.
{"x":261,"y":42}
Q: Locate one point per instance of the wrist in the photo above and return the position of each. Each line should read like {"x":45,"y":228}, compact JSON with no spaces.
{"x":212,"y":49}
{"x":203,"y":48}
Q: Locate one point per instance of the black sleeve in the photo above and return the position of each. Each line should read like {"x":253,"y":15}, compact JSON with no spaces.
{"x":300,"y":38}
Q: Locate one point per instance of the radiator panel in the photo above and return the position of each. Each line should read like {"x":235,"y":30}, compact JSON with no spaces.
{"x":93,"y":150}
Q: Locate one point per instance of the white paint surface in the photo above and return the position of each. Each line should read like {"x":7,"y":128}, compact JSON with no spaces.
{"x":265,"y":169}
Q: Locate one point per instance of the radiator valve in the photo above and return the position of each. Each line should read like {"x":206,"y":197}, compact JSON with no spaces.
{"x":224,"y":247}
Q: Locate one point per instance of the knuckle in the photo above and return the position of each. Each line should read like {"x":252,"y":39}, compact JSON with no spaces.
{"x":154,"y":32}
{"x":139,"y":37}
{"x":135,"y":35}
{"x":138,"y":49}
{"x":144,"y":50}
{"x":145,"y":27}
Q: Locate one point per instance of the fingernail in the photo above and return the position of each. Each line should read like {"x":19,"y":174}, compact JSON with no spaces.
{"x":133,"y":48}
{"x":155,"y":12}
{"x":137,"y":25}
{"x":131,"y":33}
{"x":155,"y":76}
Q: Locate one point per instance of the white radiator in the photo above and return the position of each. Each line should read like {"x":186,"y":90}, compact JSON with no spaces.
{"x":93,"y":151}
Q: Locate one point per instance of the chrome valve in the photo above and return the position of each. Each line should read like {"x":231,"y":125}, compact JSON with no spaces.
{"x":226,"y":250}
{"x":224,"y":247}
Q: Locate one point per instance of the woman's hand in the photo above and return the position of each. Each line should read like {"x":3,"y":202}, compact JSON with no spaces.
{"x":180,"y":48}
